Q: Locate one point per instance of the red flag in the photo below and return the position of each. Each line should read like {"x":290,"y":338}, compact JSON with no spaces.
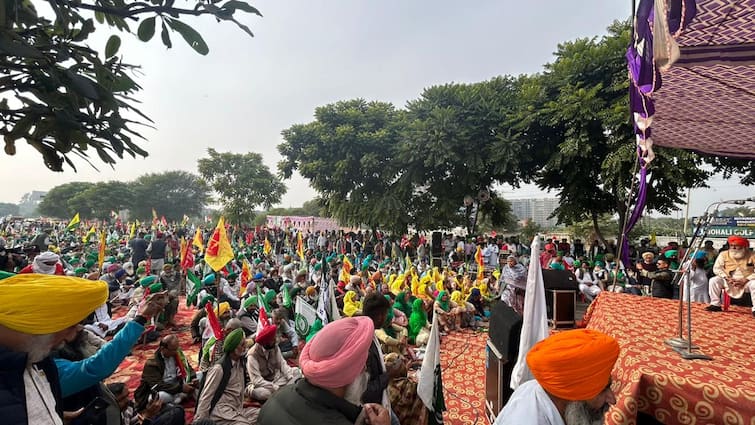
{"x":264,"y":321}
{"x":212,"y":319}
{"x":163,"y":221}
{"x":188,"y":260}
{"x":148,"y":266}
{"x":246,"y":277}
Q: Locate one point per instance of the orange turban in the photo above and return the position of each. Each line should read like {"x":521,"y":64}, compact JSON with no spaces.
{"x":574,"y":365}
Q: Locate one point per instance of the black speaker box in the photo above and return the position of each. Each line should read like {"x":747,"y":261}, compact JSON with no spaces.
{"x":505,"y":329}
{"x":436,"y":244}
{"x":560,"y":279}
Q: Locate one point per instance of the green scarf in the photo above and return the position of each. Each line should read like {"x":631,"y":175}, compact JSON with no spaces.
{"x":417,"y":320}
{"x":445,"y":305}
{"x":402,"y":305}
{"x":388,"y":325}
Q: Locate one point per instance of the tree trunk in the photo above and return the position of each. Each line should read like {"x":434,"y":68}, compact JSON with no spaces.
{"x":596,"y":228}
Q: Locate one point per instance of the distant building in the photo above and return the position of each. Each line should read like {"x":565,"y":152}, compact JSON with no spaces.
{"x":29,"y":203}
{"x":537,"y":209}
{"x":309,"y":223}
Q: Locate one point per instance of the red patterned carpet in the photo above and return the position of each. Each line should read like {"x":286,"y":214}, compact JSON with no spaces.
{"x":130,"y":370}
{"x":463,"y":365}
{"x":462,"y":357}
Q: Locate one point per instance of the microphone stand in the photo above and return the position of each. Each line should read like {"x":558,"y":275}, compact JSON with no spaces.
{"x":679,"y":344}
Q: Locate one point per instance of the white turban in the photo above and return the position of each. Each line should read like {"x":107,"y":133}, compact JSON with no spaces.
{"x":42,"y":263}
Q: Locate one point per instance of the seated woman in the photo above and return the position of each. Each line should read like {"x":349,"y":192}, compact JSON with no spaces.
{"x":402,"y":393}
{"x":466,"y":309}
{"x":419,"y":328}
{"x":351,"y":305}
{"x":392,"y":337}
{"x":448,"y":312}
{"x":402,"y":303}
{"x":475,"y":299}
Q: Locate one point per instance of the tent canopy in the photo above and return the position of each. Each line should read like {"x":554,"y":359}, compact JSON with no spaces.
{"x":707,"y":102}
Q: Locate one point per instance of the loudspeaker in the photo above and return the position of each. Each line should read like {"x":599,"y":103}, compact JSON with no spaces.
{"x":436,"y":245}
{"x":505,"y":329}
{"x":561,"y":289}
{"x":560,"y":279}
{"x":501,"y":354}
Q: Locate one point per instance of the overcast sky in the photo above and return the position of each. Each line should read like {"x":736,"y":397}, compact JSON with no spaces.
{"x":308,"y":53}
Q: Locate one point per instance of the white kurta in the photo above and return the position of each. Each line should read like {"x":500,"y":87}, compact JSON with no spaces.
{"x":529,"y":405}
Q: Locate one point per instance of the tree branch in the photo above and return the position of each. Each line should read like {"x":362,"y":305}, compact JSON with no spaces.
{"x":126,"y":13}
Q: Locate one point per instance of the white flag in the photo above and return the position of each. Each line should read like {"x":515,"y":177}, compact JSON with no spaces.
{"x":323,"y":302}
{"x":334,"y":313}
{"x":535,"y":318}
{"x":430,"y":385}
{"x":304,"y":318}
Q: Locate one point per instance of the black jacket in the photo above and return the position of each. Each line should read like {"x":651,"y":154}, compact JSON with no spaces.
{"x":303,"y":403}
{"x":12,"y":392}
{"x":379,"y":380}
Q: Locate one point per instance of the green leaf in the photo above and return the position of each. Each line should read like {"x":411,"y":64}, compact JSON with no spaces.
{"x":146,"y":29}
{"x":12,"y":48}
{"x":165,"y":36}
{"x":240,"y":5}
{"x":83,"y":86}
{"x":112,"y":46}
{"x":100,"y":17}
{"x":192,"y":37}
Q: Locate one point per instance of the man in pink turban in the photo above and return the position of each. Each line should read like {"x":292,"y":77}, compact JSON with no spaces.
{"x":333,"y":365}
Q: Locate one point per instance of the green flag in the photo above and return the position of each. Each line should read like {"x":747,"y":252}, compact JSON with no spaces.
{"x":286,"y":297}
{"x":193,"y":286}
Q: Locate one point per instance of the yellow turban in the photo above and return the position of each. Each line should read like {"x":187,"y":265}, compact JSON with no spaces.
{"x":222,"y":308}
{"x":574,"y":365}
{"x":39,"y":304}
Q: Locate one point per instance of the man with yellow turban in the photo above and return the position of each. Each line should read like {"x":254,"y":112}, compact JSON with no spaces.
{"x":567,"y":390}
{"x":32,"y":323}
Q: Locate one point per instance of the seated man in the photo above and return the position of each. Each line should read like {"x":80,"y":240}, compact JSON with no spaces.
{"x":154,"y":414}
{"x":565,"y":388}
{"x":222,"y":397}
{"x":588,"y":282}
{"x":167,"y":373}
{"x":325,"y":396}
{"x":249,"y":315}
{"x":288,"y":341}
{"x":229,"y":291}
{"x":102,"y":324}
{"x":267,"y":369}
{"x":734,"y":271}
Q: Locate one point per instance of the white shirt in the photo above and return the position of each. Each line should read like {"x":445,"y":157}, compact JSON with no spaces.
{"x":529,"y":405}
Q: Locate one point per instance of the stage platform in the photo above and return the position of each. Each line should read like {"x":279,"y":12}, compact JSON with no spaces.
{"x":652,"y":379}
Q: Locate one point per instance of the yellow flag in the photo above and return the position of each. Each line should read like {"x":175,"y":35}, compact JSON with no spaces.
{"x":74,"y":221}
{"x":132,"y":233}
{"x":219,"y":251}
{"x":198,"y":241}
{"x":88,"y":235}
{"x":101,"y":253}
{"x":300,"y":245}
{"x":266,"y":248}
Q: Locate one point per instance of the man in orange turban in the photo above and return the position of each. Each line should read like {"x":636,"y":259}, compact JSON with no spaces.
{"x":572,"y":382}
{"x":734,"y":271}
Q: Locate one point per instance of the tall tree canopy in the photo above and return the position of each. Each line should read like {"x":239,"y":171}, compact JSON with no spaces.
{"x":98,"y":200}
{"x":65,"y":98}
{"x":242,"y":183}
{"x":172,"y":194}
{"x":583,"y":102}
{"x":55,"y":203}
{"x":348,"y":155}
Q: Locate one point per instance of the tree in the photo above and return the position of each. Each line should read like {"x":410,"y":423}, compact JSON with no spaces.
{"x":8,"y":209}
{"x":529,"y":230}
{"x":348,"y":156}
{"x":242,"y":182}
{"x":457,"y":143}
{"x":55,"y":203}
{"x":581,"y":114}
{"x":98,"y":200}
{"x":172,"y":194}
{"x":67,"y":99}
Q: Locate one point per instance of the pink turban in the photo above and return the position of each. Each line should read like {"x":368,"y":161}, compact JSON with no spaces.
{"x":338,"y":353}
